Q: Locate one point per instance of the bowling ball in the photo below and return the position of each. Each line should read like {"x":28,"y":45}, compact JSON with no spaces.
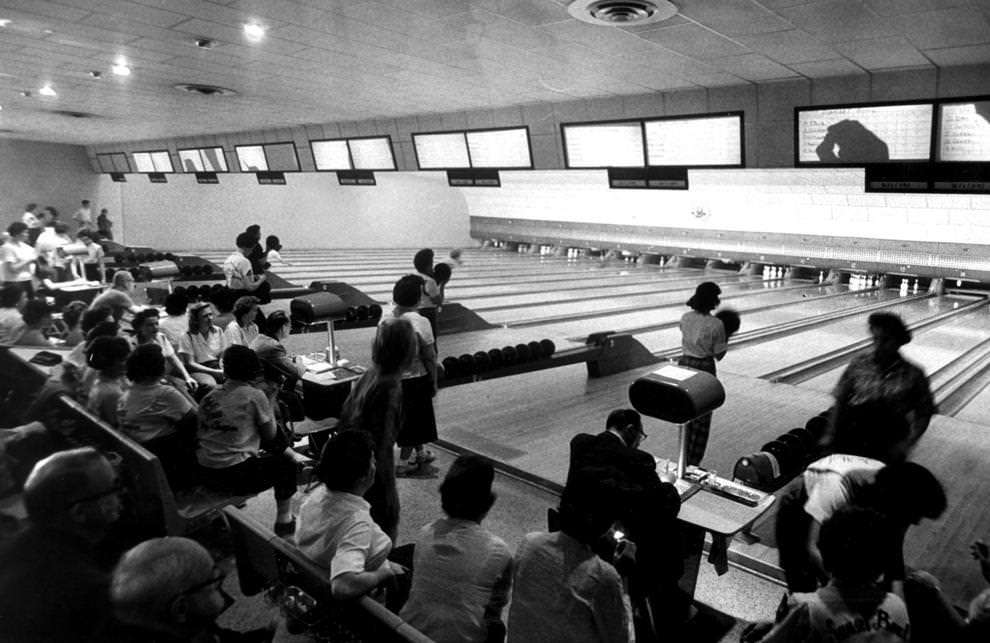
{"x":207,"y":269}
{"x":730,"y":320}
{"x":482,"y":361}
{"x":192,"y":292}
{"x":170,"y":257}
{"x":441,"y":273}
{"x":159,"y":256}
{"x":522,"y":353}
{"x":119,"y":257}
{"x":495,"y":357}
{"x":509,"y":355}
{"x":467,"y":365}
{"x":805,"y":436}
{"x":136,"y":273}
{"x":535,"y":350}
{"x":216,"y":288}
{"x":374,"y":312}
{"x":110,"y":273}
{"x":549,"y":348}
{"x":455,"y":254}
{"x":179,"y":290}
{"x":816,"y":426}
{"x":797,"y":444}
{"x":185,"y":271}
{"x":362,"y":312}
{"x":788,"y":460}
{"x":351,"y":314}
{"x":451,"y":367}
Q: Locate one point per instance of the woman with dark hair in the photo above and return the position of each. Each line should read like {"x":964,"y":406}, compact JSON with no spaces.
{"x":336,"y":529}
{"x":375,"y":405}
{"x":71,"y":316}
{"x":432,"y":293}
{"x":280,"y":367}
{"x":108,"y":357}
{"x":156,"y":415}
{"x":237,"y":423}
{"x":703,"y":342}
{"x":242,"y":330}
{"x":201,"y":346}
{"x":18,"y":259}
{"x":273,"y":251}
{"x":882,"y":377}
{"x":37,"y":316}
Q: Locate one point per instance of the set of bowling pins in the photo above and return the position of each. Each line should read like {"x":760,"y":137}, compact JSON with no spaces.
{"x":774,"y":272}
{"x":909,"y":286}
{"x":522,"y":247}
{"x":860,"y":282}
{"x":575,"y":253}
{"x":546,"y":250}
{"x":629,"y":258}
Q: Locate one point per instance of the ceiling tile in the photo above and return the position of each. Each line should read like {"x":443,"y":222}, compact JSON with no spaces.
{"x":896,"y":7}
{"x":735,"y":17}
{"x":48,"y":9}
{"x":753,"y":67}
{"x":838,"y":20}
{"x":129,"y":10}
{"x":826,"y":68}
{"x":948,"y":28}
{"x":527,"y":12}
{"x":694,"y":41}
{"x":792,"y":46}
{"x":951,"y":56}
{"x":882,"y":53}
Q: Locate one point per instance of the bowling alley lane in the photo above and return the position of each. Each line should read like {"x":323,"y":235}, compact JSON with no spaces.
{"x":931,"y":348}
{"x":757,"y":359}
{"x":978,"y":409}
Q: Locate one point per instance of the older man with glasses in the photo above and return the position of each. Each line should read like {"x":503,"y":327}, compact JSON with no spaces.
{"x":52,"y":587}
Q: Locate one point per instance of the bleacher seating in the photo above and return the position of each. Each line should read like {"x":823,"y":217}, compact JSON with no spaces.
{"x":264,"y":560}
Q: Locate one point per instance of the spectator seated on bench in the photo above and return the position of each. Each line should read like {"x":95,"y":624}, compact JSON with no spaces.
{"x":158,"y":416}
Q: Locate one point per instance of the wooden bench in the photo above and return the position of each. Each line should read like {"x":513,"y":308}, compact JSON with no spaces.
{"x":150,"y":501}
{"x":264,"y":559}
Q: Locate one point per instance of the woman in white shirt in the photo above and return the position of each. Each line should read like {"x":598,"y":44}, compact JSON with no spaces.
{"x":202,"y":345}
{"x":242,"y":330}
{"x":18,"y":259}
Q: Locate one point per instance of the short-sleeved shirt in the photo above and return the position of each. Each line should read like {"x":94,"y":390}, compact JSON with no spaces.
{"x":424,"y":334}
{"x":174,"y":327}
{"x":702,"y":335}
{"x":31,"y":220}
{"x":116,"y":300}
{"x":16,"y":252}
{"x":237,"y":269}
{"x":335,"y":530}
{"x":901,"y":386}
{"x":853,"y":616}
{"x":103,"y":397}
{"x":84,"y":216}
{"x":463,"y":572}
{"x":10,"y":322}
{"x":149,"y":411}
{"x":94,"y":253}
{"x":430,"y":289}
{"x":563,"y":592}
{"x":230,"y":421}
{"x":238,"y":335}
{"x":829,"y":482}
{"x":202,"y":349}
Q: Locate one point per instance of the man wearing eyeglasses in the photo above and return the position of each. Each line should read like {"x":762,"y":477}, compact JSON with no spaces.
{"x":52,"y":588}
{"x":171,"y":590}
{"x":644,"y":507}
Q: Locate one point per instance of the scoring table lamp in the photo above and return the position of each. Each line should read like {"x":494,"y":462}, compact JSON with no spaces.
{"x":677,"y":394}
{"x":320,"y":307}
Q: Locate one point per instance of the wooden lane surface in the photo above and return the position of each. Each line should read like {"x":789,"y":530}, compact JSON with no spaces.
{"x":527,"y":421}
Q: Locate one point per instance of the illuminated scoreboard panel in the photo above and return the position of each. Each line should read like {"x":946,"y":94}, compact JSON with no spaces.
{"x":604,"y":145}
{"x":499,"y":148}
{"x":152,"y":161}
{"x":331,"y":155}
{"x":695,"y":141}
{"x":858,"y":135}
{"x":441,"y":151}
{"x":371,"y":153}
{"x":208,"y":159}
{"x":964,"y":131}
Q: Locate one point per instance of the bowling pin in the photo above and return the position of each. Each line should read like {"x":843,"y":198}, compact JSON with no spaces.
{"x":766,"y":272}
{"x":914,"y":290}
{"x":821,"y":276}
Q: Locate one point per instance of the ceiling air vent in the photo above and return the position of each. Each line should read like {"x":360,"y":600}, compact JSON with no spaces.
{"x":204,"y":90}
{"x":622,"y":13}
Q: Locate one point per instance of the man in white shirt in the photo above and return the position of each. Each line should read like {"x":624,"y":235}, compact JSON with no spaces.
{"x":83,"y":216}
{"x":240,"y":276}
{"x":48,"y":245}
{"x":32,"y":221}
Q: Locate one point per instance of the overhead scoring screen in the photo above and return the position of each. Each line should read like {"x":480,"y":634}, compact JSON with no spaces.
{"x":152,"y":161}
{"x":441,"y":151}
{"x":604,"y":145}
{"x":504,"y":148}
{"x":695,"y":141}
{"x":331,"y":155}
{"x":372,"y":153}
{"x":207,"y":159}
{"x":861,"y":135}
{"x":251,"y":158}
{"x":964,"y":131}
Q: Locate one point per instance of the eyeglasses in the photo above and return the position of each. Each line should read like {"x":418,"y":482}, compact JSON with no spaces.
{"x":216,"y":579}
{"x":115,"y":490}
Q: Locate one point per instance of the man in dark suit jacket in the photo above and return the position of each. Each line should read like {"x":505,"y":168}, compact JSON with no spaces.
{"x":646,"y":507}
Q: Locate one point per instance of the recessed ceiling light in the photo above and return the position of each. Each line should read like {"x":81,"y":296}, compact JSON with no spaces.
{"x":254,"y":31}
{"x":4,"y":22}
{"x":96,"y":74}
{"x":46,"y":90}
{"x":121,"y":68}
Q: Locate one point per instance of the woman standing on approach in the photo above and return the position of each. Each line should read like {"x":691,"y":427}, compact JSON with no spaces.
{"x":703,"y":342}
{"x":375,"y":406}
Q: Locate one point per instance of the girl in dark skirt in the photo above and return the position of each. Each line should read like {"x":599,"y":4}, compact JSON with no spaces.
{"x":703,"y":341}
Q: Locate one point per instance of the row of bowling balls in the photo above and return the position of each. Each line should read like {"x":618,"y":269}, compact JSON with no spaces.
{"x":362,"y":313}
{"x":468,"y":365}
{"x":205,"y":292}
{"x":129,"y":256}
{"x":795,"y":449}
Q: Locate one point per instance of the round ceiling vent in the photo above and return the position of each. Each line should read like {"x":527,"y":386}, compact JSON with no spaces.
{"x":622,"y":13}
{"x":204,"y":90}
